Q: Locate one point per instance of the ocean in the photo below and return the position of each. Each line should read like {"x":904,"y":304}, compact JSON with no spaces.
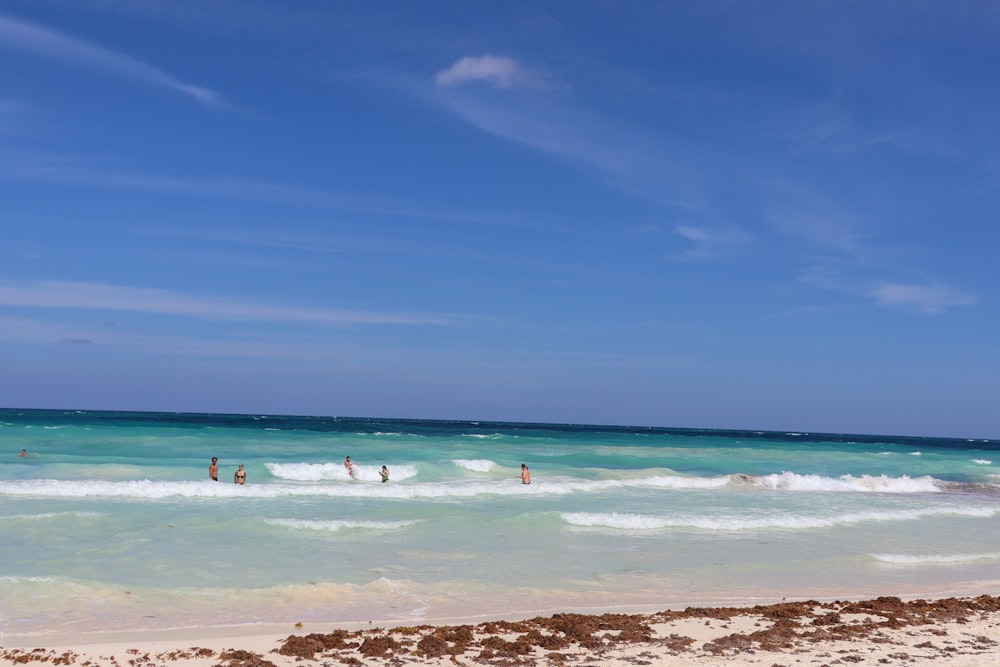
{"x":111,"y":522}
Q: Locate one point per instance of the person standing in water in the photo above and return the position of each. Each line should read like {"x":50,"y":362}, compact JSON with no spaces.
{"x":241,"y":476}
{"x":213,"y":470}
{"x":385,"y":474}
{"x":349,"y":466}
{"x":525,"y":476}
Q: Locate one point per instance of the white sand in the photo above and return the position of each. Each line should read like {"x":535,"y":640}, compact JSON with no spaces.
{"x":962,"y":632}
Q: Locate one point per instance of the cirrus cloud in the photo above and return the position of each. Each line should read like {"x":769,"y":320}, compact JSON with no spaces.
{"x":98,"y":296}
{"x":501,"y":71}
{"x":56,"y":46}
{"x":929,"y":299}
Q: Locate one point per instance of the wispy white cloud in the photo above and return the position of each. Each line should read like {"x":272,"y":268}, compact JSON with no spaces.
{"x":930,"y":299}
{"x":710,"y":242}
{"x":97,"y":296}
{"x":535,"y":109}
{"x":58,"y":47}
{"x":625,"y":155}
{"x":501,"y":71}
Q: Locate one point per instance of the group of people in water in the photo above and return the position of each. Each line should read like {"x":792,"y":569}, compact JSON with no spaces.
{"x":384,"y":472}
{"x":240,"y":476}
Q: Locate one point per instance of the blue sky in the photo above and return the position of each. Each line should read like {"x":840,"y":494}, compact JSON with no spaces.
{"x":768,"y":215}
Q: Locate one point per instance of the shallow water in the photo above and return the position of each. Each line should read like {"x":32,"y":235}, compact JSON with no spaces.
{"x":111,"y":521}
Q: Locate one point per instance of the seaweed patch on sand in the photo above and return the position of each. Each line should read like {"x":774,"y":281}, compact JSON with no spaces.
{"x":885,"y":631}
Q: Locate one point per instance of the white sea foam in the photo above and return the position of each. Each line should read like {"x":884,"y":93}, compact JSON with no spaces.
{"x":322,"y":472}
{"x":615,"y":520}
{"x":934,"y":559}
{"x":154,"y":490}
{"x":982,"y":462}
{"x":333,"y":526}
{"x":361,"y":486}
{"x":678,"y":482}
{"x":483,"y":436}
{"x":308,"y":472}
{"x":366,"y":478}
{"x":14,"y":579}
{"x":791,"y":481}
{"x":640,"y":522}
{"x":475,"y":465}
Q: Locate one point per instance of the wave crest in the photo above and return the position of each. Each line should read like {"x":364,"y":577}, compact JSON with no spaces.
{"x":332,"y":472}
{"x":790,"y":481}
{"x":475,"y":465}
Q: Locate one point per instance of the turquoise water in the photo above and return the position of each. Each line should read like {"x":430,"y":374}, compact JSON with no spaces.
{"x":111,"y":520}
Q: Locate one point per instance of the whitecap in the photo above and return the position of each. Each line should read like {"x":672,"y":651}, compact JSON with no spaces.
{"x":323,"y":472}
{"x":308,"y":472}
{"x":791,"y":481}
{"x":475,"y":465}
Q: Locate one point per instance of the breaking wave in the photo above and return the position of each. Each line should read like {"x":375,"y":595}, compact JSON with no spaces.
{"x":324,"y":472}
{"x":475,"y":465}
{"x":790,"y":481}
{"x":331,"y":480}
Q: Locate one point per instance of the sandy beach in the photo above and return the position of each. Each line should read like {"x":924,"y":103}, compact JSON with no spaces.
{"x":963,"y":632}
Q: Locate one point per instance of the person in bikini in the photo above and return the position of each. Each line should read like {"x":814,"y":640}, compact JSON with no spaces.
{"x":349,"y":466}
{"x":241,"y":475}
{"x":213,"y":470}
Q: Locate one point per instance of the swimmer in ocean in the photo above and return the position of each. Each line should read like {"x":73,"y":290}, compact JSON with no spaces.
{"x":525,"y":476}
